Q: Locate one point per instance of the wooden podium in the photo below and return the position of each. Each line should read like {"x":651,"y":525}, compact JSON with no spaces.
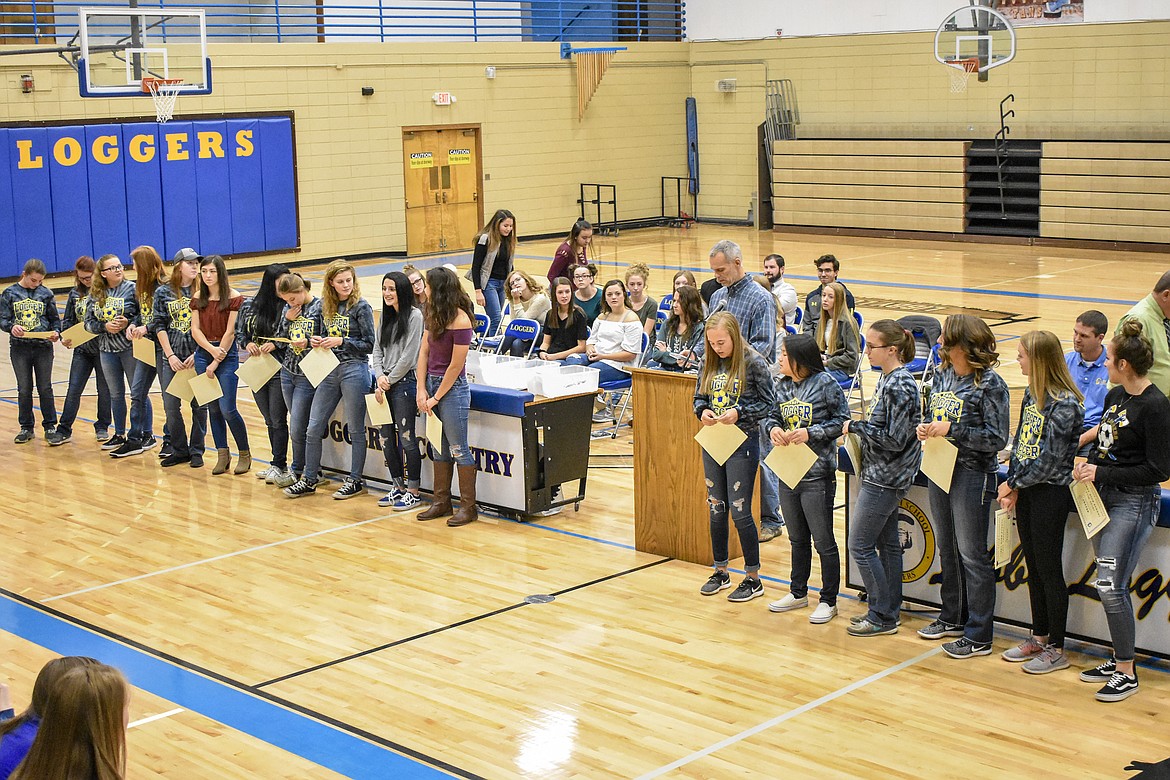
{"x":670,"y":493}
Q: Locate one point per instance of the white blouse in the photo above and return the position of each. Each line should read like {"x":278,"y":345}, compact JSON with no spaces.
{"x":610,"y":337}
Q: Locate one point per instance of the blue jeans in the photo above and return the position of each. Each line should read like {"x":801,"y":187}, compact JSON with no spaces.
{"x":34,"y":362}
{"x":118,"y":368}
{"x":877,"y":551}
{"x":223,"y":413}
{"x":348,"y":382}
{"x":729,"y":493}
{"x":809,"y":509}
{"x":1117,"y":547}
{"x":84,"y":363}
{"x":398,"y":438}
{"x":176,"y":428}
{"x":493,"y":303}
{"x":270,"y":399}
{"x":608,"y":372}
{"x":961,"y":521}
{"x":298,"y":397}
{"x":453,"y":409}
{"x":141,"y":410}
{"x":770,"y":515}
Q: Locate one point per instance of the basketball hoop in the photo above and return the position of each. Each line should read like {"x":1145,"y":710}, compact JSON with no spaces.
{"x":961,"y":71}
{"x":165,"y":93}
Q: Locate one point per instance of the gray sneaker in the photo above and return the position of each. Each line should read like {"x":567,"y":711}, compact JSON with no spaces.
{"x":770,"y":532}
{"x":1051,"y":659}
{"x":858,"y":618}
{"x":285,"y":479}
{"x":1024,"y":651}
{"x":938,"y":629}
{"x":864,"y":628}
{"x":718,"y":581}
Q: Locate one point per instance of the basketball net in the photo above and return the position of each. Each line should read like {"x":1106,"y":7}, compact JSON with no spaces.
{"x":961,"y":72}
{"x":165,"y":93}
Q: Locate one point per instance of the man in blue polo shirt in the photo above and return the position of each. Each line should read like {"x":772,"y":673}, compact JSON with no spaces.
{"x":1086,"y":363}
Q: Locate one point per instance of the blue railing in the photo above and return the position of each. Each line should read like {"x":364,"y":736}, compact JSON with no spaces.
{"x":381,"y":20}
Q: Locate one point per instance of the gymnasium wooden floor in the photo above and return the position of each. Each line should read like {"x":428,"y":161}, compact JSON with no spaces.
{"x":269,"y":638}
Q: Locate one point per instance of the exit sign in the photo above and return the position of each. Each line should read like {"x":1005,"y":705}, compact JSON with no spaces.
{"x":442,"y":98}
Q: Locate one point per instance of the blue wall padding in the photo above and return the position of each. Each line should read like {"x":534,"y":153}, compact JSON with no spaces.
{"x":70,"y":188}
{"x":244,"y":172}
{"x":107,"y":196}
{"x":32,"y":223}
{"x":8,"y":256}
{"x":213,"y":196}
{"x":144,"y":201}
{"x":277,"y":156}
{"x":234,"y":192}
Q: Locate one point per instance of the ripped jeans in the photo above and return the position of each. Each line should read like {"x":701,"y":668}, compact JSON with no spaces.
{"x":398,"y":439}
{"x":453,"y":409}
{"x":1117,"y":547}
{"x":729,"y":493}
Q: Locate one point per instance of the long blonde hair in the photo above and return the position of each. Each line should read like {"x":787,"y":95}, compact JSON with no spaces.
{"x":83,"y":728}
{"x":329,"y":299}
{"x":100,"y":289}
{"x":831,"y":321}
{"x":737,"y":367}
{"x":1048,"y":375}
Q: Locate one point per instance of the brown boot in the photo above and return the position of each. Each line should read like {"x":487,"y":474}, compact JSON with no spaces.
{"x":467,"y":511}
{"x":244,"y":463}
{"x":441,"y":502}
{"x":224,"y":462}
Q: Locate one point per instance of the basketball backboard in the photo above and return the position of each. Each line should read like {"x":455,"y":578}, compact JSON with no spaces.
{"x":975,"y":32}
{"x":119,"y":46}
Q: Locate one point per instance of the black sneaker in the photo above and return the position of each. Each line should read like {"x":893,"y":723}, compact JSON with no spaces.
{"x":718,"y":581}
{"x":174,"y":460}
{"x":1099,"y":674}
{"x":196,"y":460}
{"x":24,"y":437}
{"x":349,"y":488}
{"x":748,"y":589}
{"x":114,"y":442}
{"x":1120,"y":686}
{"x":149,"y":443}
{"x":300,"y":488}
{"x":165,"y":451}
{"x":56,"y":438}
{"x":966,"y":648}
{"x":937,"y":629}
{"x":128,"y":448}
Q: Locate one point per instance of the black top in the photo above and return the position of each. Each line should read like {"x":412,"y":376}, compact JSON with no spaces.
{"x":565,"y":337}
{"x":1131,"y":443}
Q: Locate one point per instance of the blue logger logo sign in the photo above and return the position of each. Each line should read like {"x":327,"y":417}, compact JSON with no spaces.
{"x":916,"y":536}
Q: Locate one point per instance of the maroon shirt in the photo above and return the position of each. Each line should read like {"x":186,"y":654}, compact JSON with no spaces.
{"x":212,"y":321}
{"x":563,"y":259}
{"x":439,"y":350}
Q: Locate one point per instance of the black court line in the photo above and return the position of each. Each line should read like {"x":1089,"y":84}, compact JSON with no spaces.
{"x":1014,"y":320}
{"x":441,"y":629}
{"x":438,"y":763}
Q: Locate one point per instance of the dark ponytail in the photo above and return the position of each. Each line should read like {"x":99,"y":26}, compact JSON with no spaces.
{"x":895,"y":335}
{"x":1133,"y":346}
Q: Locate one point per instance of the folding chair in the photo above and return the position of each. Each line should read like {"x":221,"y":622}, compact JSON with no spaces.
{"x":853,"y":383}
{"x":665,"y":303}
{"x":622,"y":386}
{"x":926,"y":331}
{"x":479,"y":330}
{"x":520,"y":329}
{"x":797,"y":317}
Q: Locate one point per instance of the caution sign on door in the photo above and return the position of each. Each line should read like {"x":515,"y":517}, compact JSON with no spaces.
{"x":459,"y":157}
{"x":422,"y":160}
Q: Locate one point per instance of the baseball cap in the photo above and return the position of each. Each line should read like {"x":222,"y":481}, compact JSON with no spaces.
{"x":186,"y":253}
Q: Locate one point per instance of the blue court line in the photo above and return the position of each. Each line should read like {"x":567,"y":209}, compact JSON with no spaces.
{"x":298,"y":730}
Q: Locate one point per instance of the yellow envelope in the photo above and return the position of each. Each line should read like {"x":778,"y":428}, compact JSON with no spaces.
{"x":317,"y":363}
{"x":277,"y":339}
{"x":1003,"y":536}
{"x":206,"y":389}
{"x":39,"y":334}
{"x":938,"y":461}
{"x":852,"y":443}
{"x":257,"y":370}
{"x":180,"y":385}
{"x":77,"y":335}
{"x":435,"y":432}
{"x":379,"y":412}
{"x":144,"y":350}
{"x":720,"y":441}
{"x":1089,"y":507}
{"x":790,"y":463}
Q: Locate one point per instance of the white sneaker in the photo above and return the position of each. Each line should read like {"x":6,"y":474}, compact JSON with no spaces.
{"x":789,"y":602}
{"x":266,"y":475}
{"x":823,"y":613}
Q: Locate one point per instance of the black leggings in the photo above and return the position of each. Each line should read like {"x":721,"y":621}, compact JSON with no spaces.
{"x":1041,"y":512}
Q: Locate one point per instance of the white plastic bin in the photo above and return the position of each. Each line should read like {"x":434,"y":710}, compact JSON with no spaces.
{"x":555,"y":381}
{"x":511,"y":372}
